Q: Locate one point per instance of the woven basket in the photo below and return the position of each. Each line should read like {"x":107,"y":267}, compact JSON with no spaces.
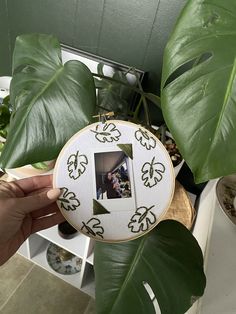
{"x":181,"y":208}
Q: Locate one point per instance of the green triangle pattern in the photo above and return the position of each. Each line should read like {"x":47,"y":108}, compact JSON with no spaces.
{"x":99,"y":209}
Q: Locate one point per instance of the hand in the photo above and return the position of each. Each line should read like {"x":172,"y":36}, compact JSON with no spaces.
{"x":26,"y":206}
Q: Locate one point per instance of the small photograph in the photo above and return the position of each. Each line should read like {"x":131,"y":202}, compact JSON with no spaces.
{"x":112,"y":175}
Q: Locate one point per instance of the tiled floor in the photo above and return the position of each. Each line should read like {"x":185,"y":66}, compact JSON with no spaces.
{"x":27,"y":288}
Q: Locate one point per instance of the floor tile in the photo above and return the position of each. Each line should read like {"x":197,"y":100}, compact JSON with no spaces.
{"x":11,"y":274}
{"x":91,"y":307}
{"x":42,"y":292}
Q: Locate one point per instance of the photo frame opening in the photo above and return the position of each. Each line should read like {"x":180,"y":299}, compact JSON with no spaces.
{"x":113,"y":175}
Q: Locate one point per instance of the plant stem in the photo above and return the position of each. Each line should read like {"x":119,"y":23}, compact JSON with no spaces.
{"x":137,"y":109}
{"x":116,"y":81}
{"x":103,"y":108}
{"x":145,"y":104}
{"x":135,"y":89}
{"x":163,"y":133}
{"x":138,"y":90}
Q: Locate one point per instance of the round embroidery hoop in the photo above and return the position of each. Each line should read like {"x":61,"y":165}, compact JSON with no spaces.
{"x":117,"y":181}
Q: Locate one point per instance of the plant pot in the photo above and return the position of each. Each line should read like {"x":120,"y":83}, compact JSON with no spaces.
{"x":174,"y":153}
{"x":172,"y":149}
{"x":4,"y":87}
{"x":226,"y":196}
{"x":181,"y":208}
{"x":66,"y":231}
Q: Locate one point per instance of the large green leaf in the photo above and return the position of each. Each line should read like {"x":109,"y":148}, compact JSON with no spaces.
{"x":167,"y":258}
{"x":199,"y":87}
{"x":51,"y":101}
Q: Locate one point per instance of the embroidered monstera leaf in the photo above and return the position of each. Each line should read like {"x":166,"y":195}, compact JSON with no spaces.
{"x":76,"y":165}
{"x":93,"y":227}
{"x":145,"y":140}
{"x":152,"y":173}
{"x":142,"y":219}
{"x":107,"y":133}
{"x":68,"y":200}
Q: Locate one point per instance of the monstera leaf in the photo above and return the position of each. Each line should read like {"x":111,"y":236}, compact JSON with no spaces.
{"x":142,"y":219}
{"x":68,"y":200}
{"x":51,"y":101}
{"x":152,"y":173}
{"x":111,"y":95}
{"x":76,"y":165}
{"x":199,"y":87}
{"x":168,"y":259}
{"x":145,"y":140}
{"x":106,"y":132}
{"x":93,"y":228}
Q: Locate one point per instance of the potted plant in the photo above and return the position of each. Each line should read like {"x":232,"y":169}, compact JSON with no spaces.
{"x":52,"y":101}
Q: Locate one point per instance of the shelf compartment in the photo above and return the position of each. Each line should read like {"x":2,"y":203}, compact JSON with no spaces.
{"x":76,"y":245}
{"x":38,"y":256}
{"x":90,"y":252}
{"x":90,"y":259}
{"x":24,"y":249}
{"x":88,"y":283}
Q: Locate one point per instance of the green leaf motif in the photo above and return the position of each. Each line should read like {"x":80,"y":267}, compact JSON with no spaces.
{"x":51,"y":101}
{"x":99,"y":209}
{"x":68,"y":200}
{"x":76,"y":165}
{"x":127,"y":149}
{"x":106,"y":132}
{"x":152,"y":173}
{"x":142,"y":220}
{"x":145,"y":139}
{"x":93,"y":228}
{"x":167,"y":258}
{"x":199,"y":87}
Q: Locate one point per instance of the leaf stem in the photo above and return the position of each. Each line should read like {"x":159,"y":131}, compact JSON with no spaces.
{"x":137,"y":109}
{"x":118,"y":81}
{"x":103,"y":108}
{"x":163,"y":133}
{"x":146,"y":110}
{"x":135,"y":89}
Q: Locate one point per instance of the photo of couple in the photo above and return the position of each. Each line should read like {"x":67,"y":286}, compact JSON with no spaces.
{"x":112,"y":175}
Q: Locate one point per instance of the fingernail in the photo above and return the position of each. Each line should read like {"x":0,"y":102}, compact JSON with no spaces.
{"x":53,"y":194}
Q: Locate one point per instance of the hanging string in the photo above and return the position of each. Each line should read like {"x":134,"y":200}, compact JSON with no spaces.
{"x":104,"y":117}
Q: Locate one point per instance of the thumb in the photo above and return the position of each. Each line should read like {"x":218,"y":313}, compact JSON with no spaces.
{"x":33,"y":202}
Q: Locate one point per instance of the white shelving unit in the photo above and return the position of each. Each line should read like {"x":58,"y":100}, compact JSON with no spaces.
{"x":35,"y":248}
